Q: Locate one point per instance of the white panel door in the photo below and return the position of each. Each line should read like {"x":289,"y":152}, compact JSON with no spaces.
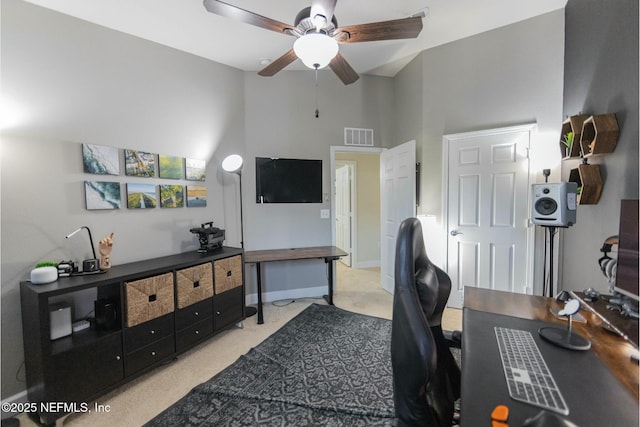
{"x":397,"y":202}
{"x":343,"y":211}
{"x":489,"y":239}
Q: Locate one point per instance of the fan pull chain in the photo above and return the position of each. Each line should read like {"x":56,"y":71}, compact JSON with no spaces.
{"x":317,"y":111}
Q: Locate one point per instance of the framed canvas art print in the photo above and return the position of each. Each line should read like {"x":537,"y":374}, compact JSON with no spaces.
{"x":139,"y":163}
{"x":171,"y":167}
{"x":101,"y":195}
{"x":171,"y":196}
{"x":100,"y":159}
{"x":194,"y":169}
{"x":196,"y":196}
{"x":141,"y":196}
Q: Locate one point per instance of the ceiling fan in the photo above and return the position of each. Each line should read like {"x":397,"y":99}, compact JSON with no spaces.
{"x":318,"y":35}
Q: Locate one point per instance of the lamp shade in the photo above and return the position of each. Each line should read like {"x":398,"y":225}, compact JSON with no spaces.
{"x":315,"y":50}
{"x":232,"y":163}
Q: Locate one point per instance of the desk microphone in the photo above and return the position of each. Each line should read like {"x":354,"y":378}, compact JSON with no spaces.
{"x":566,"y":338}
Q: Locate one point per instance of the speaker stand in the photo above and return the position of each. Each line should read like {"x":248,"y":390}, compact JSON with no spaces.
{"x":552,"y":233}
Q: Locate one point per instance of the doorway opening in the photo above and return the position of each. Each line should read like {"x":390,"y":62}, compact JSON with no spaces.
{"x":355,"y":206}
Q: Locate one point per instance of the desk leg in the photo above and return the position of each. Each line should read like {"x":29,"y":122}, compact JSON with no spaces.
{"x":329,"y":297}
{"x":259,"y":278}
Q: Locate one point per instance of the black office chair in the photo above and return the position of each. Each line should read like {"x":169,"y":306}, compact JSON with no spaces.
{"x":426,"y":378}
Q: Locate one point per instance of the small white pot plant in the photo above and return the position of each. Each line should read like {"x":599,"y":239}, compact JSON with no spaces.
{"x":44,"y":272}
{"x":567,"y":140}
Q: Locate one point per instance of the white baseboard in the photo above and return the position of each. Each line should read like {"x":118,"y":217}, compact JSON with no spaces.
{"x":316,"y":292}
{"x":16,"y":398}
{"x":367,"y":264}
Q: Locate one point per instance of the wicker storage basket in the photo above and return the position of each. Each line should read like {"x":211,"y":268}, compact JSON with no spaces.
{"x":148,"y":298}
{"x":194,"y":284}
{"x":228,"y":273}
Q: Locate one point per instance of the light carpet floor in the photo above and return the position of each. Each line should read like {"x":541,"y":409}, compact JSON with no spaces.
{"x":138,"y":401}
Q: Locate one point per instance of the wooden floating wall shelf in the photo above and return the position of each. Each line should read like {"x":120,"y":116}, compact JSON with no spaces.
{"x":592,"y":136}
{"x":589,"y":183}
{"x":599,"y":135}
{"x":572,"y":124}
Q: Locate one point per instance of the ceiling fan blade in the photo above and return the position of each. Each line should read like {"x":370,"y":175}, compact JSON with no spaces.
{"x":343,"y":70}
{"x":229,"y":11}
{"x":324,"y":8}
{"x":405,"y":28}
{"x":278,"y":64}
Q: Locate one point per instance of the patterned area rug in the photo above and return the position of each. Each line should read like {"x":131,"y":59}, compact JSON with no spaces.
{"x":326,"y":367}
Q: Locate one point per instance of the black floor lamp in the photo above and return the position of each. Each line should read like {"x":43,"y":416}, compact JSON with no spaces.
{"x":233,"y":164}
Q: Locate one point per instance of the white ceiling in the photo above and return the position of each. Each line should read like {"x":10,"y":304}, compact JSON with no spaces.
{"x":186,"y":25}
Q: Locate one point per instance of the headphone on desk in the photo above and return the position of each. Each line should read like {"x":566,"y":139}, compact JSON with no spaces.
{"x":607,"y":264}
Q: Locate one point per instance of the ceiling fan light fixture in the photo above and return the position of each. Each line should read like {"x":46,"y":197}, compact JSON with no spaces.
{"x":315,"y":49}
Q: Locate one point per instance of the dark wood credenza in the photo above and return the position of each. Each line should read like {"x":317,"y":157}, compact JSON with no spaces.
{"x":164,"y":306}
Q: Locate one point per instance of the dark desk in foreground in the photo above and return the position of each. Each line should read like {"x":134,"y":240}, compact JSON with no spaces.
{"x":328,"y":253}
{"x":600,"y":386}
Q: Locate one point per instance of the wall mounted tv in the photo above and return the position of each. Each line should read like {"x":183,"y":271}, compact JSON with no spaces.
{"x":288,"y":180}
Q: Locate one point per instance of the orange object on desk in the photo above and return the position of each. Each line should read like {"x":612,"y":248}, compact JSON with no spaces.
{"x":500,"y":413}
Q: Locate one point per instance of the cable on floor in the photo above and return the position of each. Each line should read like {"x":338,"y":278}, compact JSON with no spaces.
{"x":278,"y":303}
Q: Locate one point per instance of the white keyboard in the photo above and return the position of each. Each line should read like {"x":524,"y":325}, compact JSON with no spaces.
{"x":528,"y":377}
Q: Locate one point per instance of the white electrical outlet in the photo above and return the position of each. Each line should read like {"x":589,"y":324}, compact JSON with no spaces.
{"x":324,"y":213}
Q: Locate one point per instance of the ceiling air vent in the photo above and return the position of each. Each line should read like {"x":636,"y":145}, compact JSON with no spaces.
{"x":358,"y":137}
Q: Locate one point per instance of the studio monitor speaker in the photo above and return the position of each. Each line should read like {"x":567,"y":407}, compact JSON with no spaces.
{"x":554,"y":204}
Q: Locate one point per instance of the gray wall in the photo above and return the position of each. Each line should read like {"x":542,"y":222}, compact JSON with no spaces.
{"x":508,"y":76}
{"x":601,"y":76}
{"x":77,"y":82}
{"x":74,"y":83}
{"x":281,"y":123}
{"x":408,"y":86}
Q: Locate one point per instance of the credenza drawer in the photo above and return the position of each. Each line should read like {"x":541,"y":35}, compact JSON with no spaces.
{"x":194,"y":284}
{"x":193,"y":313}
{"x":149,"y":355}
{"x":227,"y":273}
{"x":144,"y":334}
{"x":227,"y":308}
{"x":194,"y":333}
{"x":149,"y":298}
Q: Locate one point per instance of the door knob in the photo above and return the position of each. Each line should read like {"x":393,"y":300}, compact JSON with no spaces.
{"x":454,"y":233}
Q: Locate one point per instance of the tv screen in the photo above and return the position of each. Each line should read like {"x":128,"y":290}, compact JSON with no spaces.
{"x":627,"y":269}
{"x":288,"y":180}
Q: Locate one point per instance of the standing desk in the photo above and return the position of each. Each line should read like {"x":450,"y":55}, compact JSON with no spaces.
{"x":600,"y":386}
{"x":328,"y":253}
